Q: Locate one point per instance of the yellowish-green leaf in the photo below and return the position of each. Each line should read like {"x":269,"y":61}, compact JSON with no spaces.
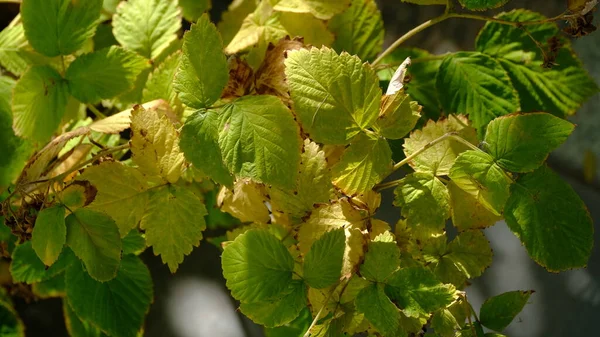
{"x":467,"y":212}
{"x":147,"y":26}
{"x":263,"y":25}
{"x":313,"y":30}
{"x":358,"y":30}
{"x":322,"y":9}
{"x":246,"y":202}
{"x":173,"y":221}
{"x":440,"y":157}
{"x":323,"y":263}
{"x":155,"y":144}
{"x":364,"y":163}
{"x":232,"y":19}
{"x":379,"y":310}
{"x":279,"y":311}
{"x":160,"y":82}
{"x":49,"y":234}
{"x":193,"y":9}
{"x":12,"y":45}
{"x":398,"y":115}
{"x":121,"y":193}
{"x":335,"y":96}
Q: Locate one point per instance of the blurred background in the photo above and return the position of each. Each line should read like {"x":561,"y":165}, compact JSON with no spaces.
{"x":195,"y":303}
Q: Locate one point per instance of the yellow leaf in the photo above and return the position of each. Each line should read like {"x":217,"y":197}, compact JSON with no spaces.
{"x":246,"y":202}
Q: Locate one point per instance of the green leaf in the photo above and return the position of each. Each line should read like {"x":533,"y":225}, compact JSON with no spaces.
{"x":27,"y":267}
{"x":467,"y":212}
{"x":160,"y":82}
{"x":521,"y":143}
{"x":444,"y":323}
{"x":366,"y":162}
{"x":295,"y":328}
{"x":193,"y":9}
{"x":466,"y":257}
{"x":427,"y":2}
{"x":59,"y":27}
{"x":551,"y":220}
{"x":439,"y":158}
{"x":202,"y":74}
{"x":424,"y":201}
{"x":313,"y":185}
{"x":49,"y":234}
{"x":560,"y":90}
{"x":104,"y":37}
{"x":200,"y":144}
{"x":477,"y":174}
{"x":94,"y":238}
{"x":417,"y":291}
{"x":257,"y":267}
{"x":121,"y":193}
{"x":50,"y":288}
{"x":12,"y":326}
{"x":155,"y":144}
{"x":15,"y":151}
{"x":12,"y":44}
{"x":335,"y":96}
{"x":323,"y":263}
{"x":398,"y":116}
{"x":482,"y":5}
{"x":322,"y":9}
{"x":381,"y":260}
{"x":104,"y":74}
{"x":78,"y":328}
{"x":38,"y":103}
{"x":475,"y":84}
{"x":147,"y":26}
{"x":379,"y":310}
{"x":259,"y":139}
{"x":119,"y":305}
{"x":279,"y":311}
{"x":497,"y":312}
{"x":173,"y":221}
{"x":358,"y":30}
{"x":134,"y":243}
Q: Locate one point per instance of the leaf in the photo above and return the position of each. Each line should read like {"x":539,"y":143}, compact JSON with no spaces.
{"x":424,"y":201}
{"x":323,"y":263}
{"x":560,"y":90}
{"x":295,"y":328}
{"x":379,"y":310}
{"x":12,"y":44}
{"x":497,"y":312}
{"x":322,"y":9}
{"x":467,"y":212}
{"x":444,"y":323}
{"x":50,"y":288}
{"x":193,"y":9}
{"x":246,"y":202}
{"x":466,"y":257}
{"x":417,"y":291}
{"x":358,"y":30}
{"x":381,"y":260}
{"x":482,"y":5}
{"x":477,"y":174}
{"x":398,"y":115}
{"x":121,"y":121}
{"x":119,"y":305}
{"x":59,"y":27}
{"x":173,"y":221}
{"x":312,"y":30}
{"x":12,"y":326}
{"x":202,"y":72}
{"x":521,"y":143}
{"x":475,"y":84}
{"x":551,"y":220}
{"x":335,"y":96}
{"x":121,"y":193}
{"x":439,"y":158}
{"x":147,"y":26}
{"x":49,"y":234}
{"x":427,"y":2}
{"x":160,"y":82}
{"x":104,"y":74}
{"x":313,"y":185}
{"x":259,"y":27}
{"x":38,"y":103}
{"x":200,"y":144}
{"x":279,"y":311}
{"x":134,"y":243}
{"x":366,"y":162}
{"x":78,"y":328}
{"x":94,"y":238}
{"x":257,"y":267}
{"x":231,"y":20}
{"x":27,"y":267}
{"x":259,"y":139}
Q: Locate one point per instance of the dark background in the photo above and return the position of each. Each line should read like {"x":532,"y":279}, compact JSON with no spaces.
{"x":195,"y":303}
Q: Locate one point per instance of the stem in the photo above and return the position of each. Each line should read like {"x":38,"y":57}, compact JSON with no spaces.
{"x":96,"y":112}
{"x":314,"y":322}
{"x":410,"y":34}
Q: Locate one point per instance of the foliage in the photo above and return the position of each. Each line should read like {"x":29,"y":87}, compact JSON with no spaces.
{"x":273,"y":128}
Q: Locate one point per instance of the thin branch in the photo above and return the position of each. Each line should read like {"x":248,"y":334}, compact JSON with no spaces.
{"x":314,"y":322}
{"x":96,"y":112}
